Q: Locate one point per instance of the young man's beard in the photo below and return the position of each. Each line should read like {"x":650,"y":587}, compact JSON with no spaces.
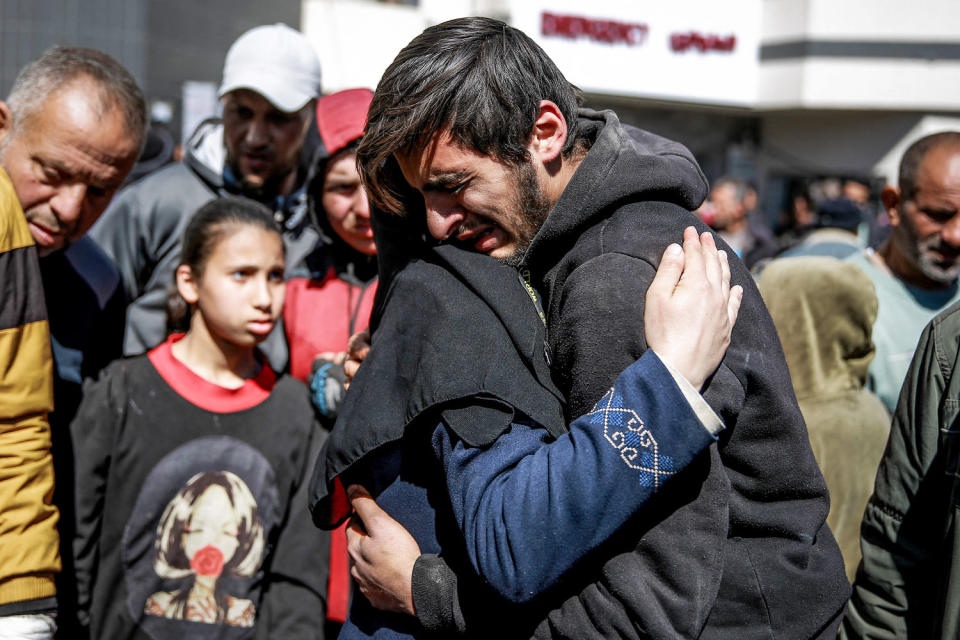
{"x":532,"y":208}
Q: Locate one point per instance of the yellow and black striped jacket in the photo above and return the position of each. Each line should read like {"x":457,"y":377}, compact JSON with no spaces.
{"x":28,"y":533}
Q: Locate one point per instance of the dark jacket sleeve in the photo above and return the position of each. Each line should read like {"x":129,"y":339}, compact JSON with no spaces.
{"x":895,"y":591}
{"x":530,"y":509}
{"x":123,"y":233}
{"x":93,"y":431}
{"x":294,"y":598}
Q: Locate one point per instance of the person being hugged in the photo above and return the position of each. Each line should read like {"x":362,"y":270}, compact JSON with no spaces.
{"x":192,"y":459}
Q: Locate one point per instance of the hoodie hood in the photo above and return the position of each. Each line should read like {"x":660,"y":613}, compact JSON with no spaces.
{"x":623,"y":164}
{"x":349,"y":264}
{"x":455,"y":336}
{"x":205,"y":153}
{"x":340,"y":120}
{"x":824,"y":310}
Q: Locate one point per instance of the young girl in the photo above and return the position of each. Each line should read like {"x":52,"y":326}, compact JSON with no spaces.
{"x":191,"y":459}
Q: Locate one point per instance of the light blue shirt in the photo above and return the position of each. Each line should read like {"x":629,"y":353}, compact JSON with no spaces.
{"x":902,"y":314}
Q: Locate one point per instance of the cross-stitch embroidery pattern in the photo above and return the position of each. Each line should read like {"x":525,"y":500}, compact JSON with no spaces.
{"x":638,"y":447}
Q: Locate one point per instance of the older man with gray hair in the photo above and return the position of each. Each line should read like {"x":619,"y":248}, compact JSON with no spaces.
{"x":70,"y":132}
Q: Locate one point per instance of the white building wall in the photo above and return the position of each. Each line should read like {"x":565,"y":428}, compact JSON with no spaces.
{"x":900,"y":81}
{"x":858,"y":83}
{"x":895,"y":20}
{"x":892,"y":20}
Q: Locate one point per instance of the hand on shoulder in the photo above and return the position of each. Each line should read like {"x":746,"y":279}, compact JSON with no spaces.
{"x":691,"y":307}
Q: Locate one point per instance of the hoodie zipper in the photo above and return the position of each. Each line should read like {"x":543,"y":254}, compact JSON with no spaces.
{"x":524,"y":275}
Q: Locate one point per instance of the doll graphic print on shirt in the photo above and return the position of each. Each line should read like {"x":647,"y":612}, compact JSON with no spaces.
{"x":211,"y":527}
{"x":195,"y":543}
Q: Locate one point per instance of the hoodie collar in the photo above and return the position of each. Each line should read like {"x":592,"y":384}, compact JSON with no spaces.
{"x":624,"y":164}
{"x":207,"y":157}
{"x":205,"y":153}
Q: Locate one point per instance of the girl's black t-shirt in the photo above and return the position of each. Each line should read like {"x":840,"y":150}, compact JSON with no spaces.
{"x":191,"y":498}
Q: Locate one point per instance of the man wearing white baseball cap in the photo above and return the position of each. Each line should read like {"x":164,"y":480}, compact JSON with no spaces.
{"x":271,"y":78}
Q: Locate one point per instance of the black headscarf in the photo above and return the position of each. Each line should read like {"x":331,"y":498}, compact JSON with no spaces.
{"x":455,"y":337}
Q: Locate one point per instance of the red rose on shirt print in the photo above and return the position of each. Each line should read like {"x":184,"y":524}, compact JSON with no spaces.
{"x":208,"y":561}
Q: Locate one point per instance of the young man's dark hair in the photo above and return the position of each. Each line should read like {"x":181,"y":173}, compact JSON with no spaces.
{"x":485,"y":87}
{"x":914,"y":155}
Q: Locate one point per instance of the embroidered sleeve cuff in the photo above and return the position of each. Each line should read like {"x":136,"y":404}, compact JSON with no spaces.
{"x":708,"y":417}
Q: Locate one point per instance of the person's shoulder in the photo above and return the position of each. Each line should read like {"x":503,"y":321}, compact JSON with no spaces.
{"x":174,"y":183}
{"x":14,"y":233}
{"x":946,"y":328}
{"x":127,"y":366}
{"x":634,"y":236}
{"x":289,"y":404}
{"x":644,"y":228}
{"x":866,"y":260}
{"x":949,"y":317}
{"x":116,"y":381}
{"x":860,"y":257}
{"x":291,"y":394}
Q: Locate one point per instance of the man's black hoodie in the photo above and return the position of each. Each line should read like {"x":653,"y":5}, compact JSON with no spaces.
{"x":739,"y":548}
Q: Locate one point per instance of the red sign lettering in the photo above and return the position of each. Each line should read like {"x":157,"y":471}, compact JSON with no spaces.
{"x":681,"y":42}
{"x":605,"y":31}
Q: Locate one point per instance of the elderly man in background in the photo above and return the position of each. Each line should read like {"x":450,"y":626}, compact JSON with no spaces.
{"x":271,"y":78}
{"x":70,"y":131}
{"x":731,"y":204}
{"x":915,"y":270}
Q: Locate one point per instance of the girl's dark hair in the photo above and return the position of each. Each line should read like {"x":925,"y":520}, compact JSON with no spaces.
{"x":478,"y":77}
{"x":210,"y":224}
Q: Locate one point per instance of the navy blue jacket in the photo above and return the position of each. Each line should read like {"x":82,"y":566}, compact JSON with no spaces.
{"x":528,"y":507}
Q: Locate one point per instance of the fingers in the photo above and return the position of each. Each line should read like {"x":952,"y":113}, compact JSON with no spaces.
{"x":357,"y":349}
{"x":359,"y":345}
{"x":724,"y":272}
{"x":733,"y":305}
{"x":355,"y":537}
{"x":350,"y":368}
{"x":364,"y":512}
{"x":365,"y":507}
{"x":712,"y":269}
{"x":668,"y":272}
{"x":693,"y":258}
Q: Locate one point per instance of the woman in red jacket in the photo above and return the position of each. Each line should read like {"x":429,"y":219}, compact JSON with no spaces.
{"x":323,"y":310}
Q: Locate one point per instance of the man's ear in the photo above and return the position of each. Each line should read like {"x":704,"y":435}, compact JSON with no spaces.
{"x":186,"y":284}
{"x":549,"y":133}
{"x":6,"y":120}
{"x":892,"y":201}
